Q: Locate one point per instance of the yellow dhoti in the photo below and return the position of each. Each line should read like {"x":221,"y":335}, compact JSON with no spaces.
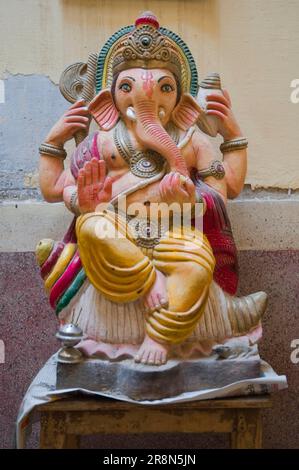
{"x":122,"y":271}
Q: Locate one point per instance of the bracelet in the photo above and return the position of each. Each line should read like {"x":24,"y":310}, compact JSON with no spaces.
{"x":215,"y":169}
{"x":74,"y":203}
{"x":235,"y":144}
{"x":52,"y":150}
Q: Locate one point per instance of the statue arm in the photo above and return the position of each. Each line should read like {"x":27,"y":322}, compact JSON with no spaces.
{"x":70,"y":193}
{"x":56,"y":184}
{"x":235,"y":163}
{"x":204,"y":154}
{"x":52,"y":176}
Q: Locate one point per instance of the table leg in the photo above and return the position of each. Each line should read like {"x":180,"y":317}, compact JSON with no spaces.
{"x":248,"y":430}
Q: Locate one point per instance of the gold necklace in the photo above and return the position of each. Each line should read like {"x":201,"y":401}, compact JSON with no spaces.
{"x":142,"y":163}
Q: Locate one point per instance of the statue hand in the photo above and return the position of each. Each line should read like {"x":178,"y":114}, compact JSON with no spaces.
{"x":94,"y":187}
{"x":177,"y":188}
{"x":220,"y":106}
{"x":74,"y":119}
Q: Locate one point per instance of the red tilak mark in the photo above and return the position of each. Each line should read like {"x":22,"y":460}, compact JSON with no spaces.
{"x":148,"y":82}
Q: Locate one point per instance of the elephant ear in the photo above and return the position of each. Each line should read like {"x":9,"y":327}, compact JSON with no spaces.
{"x":186,"y":112}
{"x":103,"y":110}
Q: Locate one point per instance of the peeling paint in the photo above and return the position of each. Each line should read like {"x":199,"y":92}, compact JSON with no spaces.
{"x":32,"y":105}
{"x":57,"y":33}
{"x":8,"y":74}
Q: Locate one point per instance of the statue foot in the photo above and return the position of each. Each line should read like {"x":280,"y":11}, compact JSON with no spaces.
{"x":156,"y":297}
{"x":152,"y":353}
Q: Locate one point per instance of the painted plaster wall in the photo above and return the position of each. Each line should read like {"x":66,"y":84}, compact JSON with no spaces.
{"x":252,"y":43}
{"x":32,"y":104}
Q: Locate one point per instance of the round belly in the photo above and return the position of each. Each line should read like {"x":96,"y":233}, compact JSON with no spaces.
{"x":145,"y":195}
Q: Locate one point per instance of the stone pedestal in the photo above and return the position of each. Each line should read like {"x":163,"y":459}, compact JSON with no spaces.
{"x":142,"y":382}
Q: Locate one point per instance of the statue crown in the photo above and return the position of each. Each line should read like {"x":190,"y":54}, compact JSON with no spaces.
{"x":146,"y":47}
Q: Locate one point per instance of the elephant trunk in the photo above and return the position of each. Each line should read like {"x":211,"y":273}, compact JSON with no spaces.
{"x":151,"y":133}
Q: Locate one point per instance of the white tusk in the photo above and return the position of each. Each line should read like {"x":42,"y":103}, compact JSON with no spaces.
{"x":131,"y":113}
{"x":161,"y":113}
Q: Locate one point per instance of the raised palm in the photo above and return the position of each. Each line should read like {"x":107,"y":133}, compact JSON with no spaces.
{"x":94,"y":187}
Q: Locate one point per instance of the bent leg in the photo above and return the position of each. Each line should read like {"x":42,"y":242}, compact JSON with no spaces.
{"x":189,"y":263}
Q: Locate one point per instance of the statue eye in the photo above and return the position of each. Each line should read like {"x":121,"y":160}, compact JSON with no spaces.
{"x":167,"y":88}
{"x":126,"y":87}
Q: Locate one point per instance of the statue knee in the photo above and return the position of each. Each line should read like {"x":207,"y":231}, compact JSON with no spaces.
{"x":96,"y":226}
{"x":98,"y":233}
{"x":188,"y":285}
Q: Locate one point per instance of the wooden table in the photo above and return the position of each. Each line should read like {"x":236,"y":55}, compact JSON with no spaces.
{"x":64,"y":421}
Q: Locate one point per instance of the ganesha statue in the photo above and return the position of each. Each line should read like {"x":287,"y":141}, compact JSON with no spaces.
{"x":148,"y":268}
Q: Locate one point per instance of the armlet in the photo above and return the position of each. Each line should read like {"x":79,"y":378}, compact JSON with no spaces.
{"x":215,"y":169}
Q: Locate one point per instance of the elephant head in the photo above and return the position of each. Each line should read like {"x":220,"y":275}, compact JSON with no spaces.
{"x":148,"y":99}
